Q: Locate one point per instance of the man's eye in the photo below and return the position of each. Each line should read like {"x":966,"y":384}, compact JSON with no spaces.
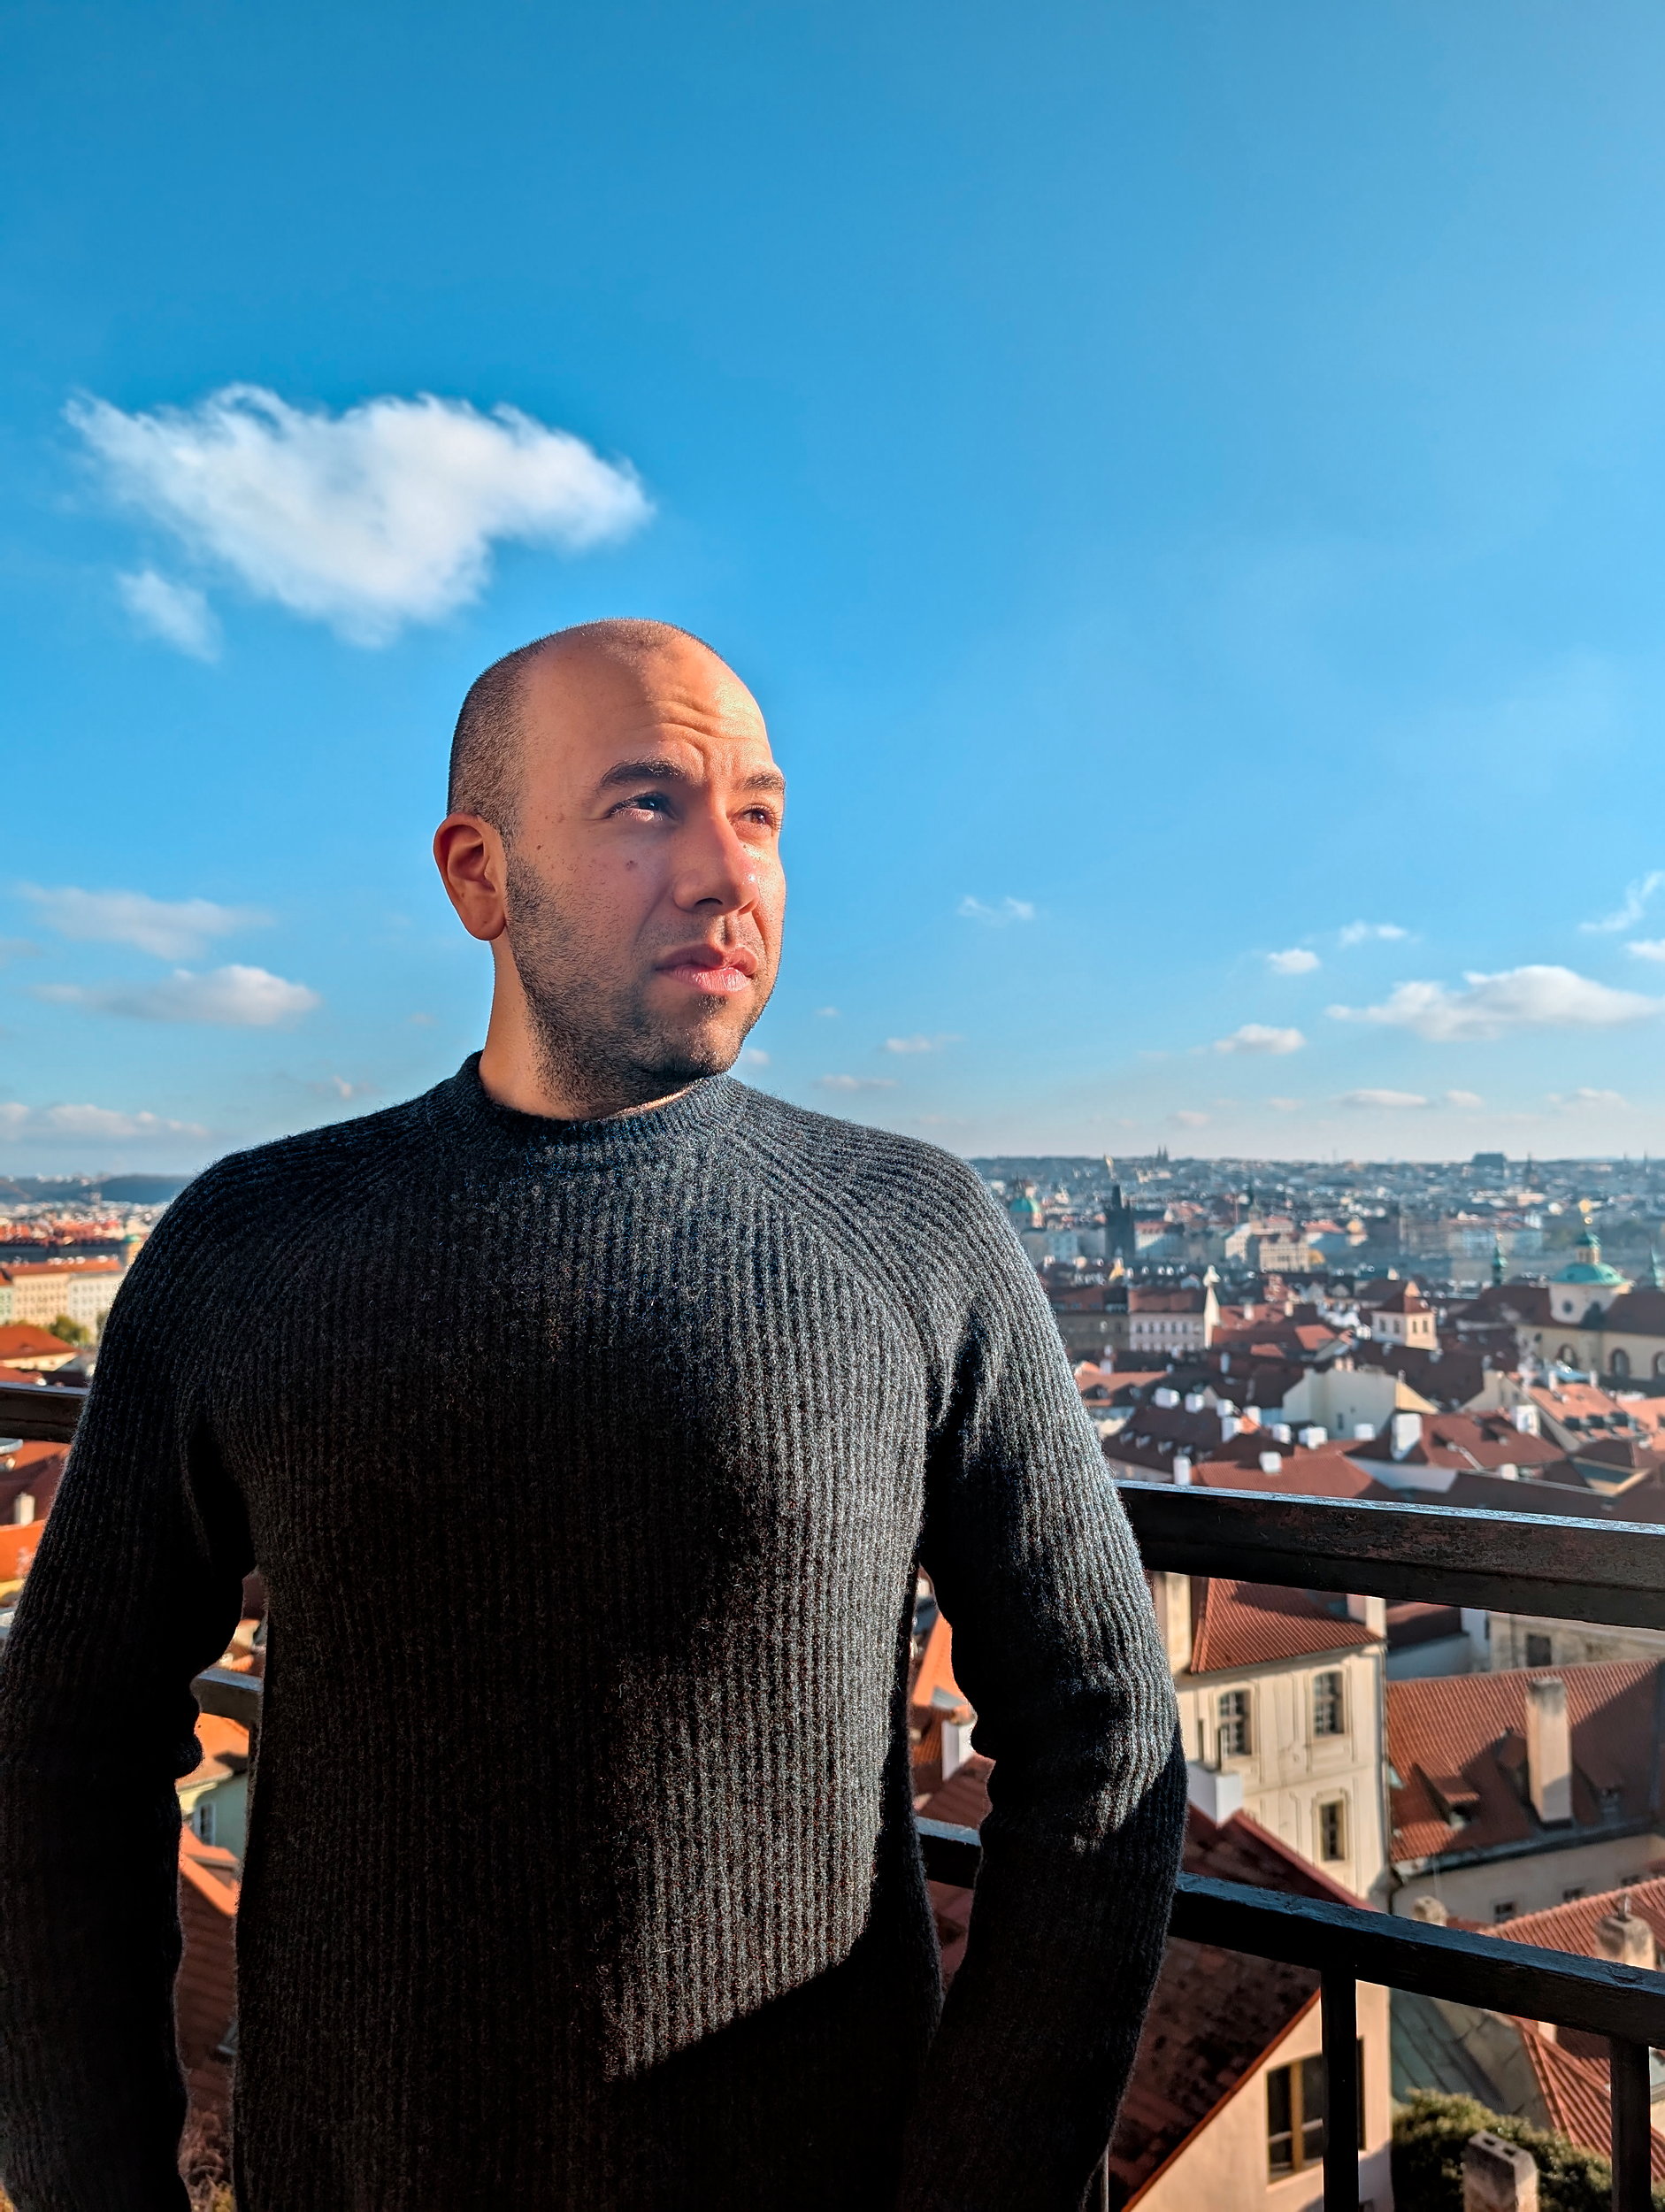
{"x":644,"y":802}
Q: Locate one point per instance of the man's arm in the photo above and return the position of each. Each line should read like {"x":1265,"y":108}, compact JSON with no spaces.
{"x":135,"y":1588}
{"x":1056,"y":1645}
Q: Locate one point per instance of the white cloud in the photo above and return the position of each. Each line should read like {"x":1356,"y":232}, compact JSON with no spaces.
{"x":366,"y":520}
{"x":826,"y":1013}
{"x":856,"y":1082}
{"x":1492,"y":1005}
{"x":17,"y":949}
{"x":226,"y":998}
{"x":1380,"y":1098}
{"x":176,"y":613}
{"x":921,"y":1044}
{"x":1009,"y":911}
{"x":337,"y":1087}
{"x":1296,"y":961}
{"x":1286,"y":1105}
{"x":1373,"y":933}
{"x":1464,"y":1098}
{"x":1256,"y":1037}
{"x":1630,"y":911}
{"x":1187,"y":1117}
{"x":754,"y":1057}
{"x":173,"y":929}
{"x":1586,"y":1096}
{"x":1647,"y":947}
{"x":89,"y":1121}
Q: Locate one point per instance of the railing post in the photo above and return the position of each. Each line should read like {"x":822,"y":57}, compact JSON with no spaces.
{"x":1632,"y":2137}
{"x":1340,"y":2011}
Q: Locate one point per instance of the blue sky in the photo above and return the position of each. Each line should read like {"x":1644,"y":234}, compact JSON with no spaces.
{"x":1185,"y":483}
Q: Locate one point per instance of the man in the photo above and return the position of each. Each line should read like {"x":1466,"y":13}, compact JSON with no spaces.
{"x":587,"y":1418}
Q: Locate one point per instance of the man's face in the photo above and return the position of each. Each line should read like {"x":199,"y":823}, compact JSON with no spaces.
{"x":644,"y":889}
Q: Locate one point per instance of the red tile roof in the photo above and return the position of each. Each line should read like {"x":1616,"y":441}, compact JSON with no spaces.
{"x":1252,"y":1623}
{"x":21,"y":1340}
{"x":1577,"y":2095}
{"x":1458,"y":1741}
{"x":205,"y":1993}
{"x":18,"y":1542}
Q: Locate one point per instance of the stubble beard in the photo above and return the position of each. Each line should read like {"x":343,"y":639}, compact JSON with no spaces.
{"x":594,"y":1042}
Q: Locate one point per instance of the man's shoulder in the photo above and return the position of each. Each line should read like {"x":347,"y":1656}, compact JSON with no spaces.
{"x":330,"y":1160}
{"x":853,"y":1163}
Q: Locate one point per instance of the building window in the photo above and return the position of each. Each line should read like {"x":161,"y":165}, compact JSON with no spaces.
{"x":1329,"y":1707}
{"x":1620,"y":1366}
{"x":1539,"y":1651}
{"x":1572,"y":1896}
{"x":1235,"y":1740}
{"x":1332,"y":1828}
{"x":1295,"y":2115}
{"x":203,"y":1820}
{"x":1503,"y":1908}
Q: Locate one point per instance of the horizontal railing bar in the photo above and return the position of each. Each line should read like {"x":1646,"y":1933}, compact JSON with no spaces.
{"x":229,"y":1694}
{"x":1509,"y":1562}
{"x":41,"y":1413}
{"x":1486,"y":1972}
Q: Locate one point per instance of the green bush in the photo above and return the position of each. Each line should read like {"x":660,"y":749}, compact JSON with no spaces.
{"x":1428,"y":2139}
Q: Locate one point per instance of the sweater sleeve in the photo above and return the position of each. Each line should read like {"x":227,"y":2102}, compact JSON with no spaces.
{"x":134,"y":1589}
{"x":1056,"y":1645}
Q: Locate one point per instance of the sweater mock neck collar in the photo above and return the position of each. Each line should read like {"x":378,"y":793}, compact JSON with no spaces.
{"x":638,"y":1139}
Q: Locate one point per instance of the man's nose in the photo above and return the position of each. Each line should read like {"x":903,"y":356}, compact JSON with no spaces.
{"x":714,"y":867}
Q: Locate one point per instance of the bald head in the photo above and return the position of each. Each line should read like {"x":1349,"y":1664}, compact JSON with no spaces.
{"x":488,"y":744}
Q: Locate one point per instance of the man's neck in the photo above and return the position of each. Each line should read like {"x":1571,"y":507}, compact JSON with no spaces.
{"x":514,"y":1074}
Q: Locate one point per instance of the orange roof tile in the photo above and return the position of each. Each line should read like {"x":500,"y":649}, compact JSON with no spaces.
{"x":1252,"y":1623}
{"x":934,"y":1684}
{"x":18,"y":1543}
{"x":1462,"y":1738}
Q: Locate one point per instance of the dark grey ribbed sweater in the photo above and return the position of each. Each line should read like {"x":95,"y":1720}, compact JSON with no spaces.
{"x":588,"y":1465}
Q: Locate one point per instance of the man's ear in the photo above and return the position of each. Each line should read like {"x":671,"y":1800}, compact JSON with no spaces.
{"x":473,"y":867}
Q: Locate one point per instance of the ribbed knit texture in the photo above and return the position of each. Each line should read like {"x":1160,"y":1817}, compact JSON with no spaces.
{"x":588,"y":1465}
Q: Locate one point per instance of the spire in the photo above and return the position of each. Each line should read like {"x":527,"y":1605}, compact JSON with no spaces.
{"x":1655,"y":1281}
{"x":1497,"y":1261}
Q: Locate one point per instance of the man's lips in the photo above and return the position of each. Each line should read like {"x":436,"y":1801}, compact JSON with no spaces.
{"x":713,"y":971}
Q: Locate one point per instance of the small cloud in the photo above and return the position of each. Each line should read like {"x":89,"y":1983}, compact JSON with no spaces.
{"x":384,"y":515}
{"x":1286,"y":1105}
{"x":1493,"y":1005}
{"x":337,"y":1087}
{"x":173,"y":929}
{"x":17,"y":949}
{"x":754,"y":1057}
{"x":1296,"y":961}
{"x":1630,"y":911}
{"x":1391,"y":1099}
{"x":1256,"y":1037}
{"x":921,"y":1044}
{"x":225,"y":998}
{"x":90,"y":1121}
{"x":176,"y":613}
{"x":1464,"y":1098}
{"x":826,"y":1013}
{"x":1189,"y":1118}
{"x":1647,"y":947}
{"x":422,"y":1021}
{"x":1373,"y":933}
{"x":998,"y":917}
{"x":856,"y":1082}
{"x":1586,"y":1096}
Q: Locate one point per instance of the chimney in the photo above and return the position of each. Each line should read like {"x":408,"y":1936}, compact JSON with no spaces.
{"x":1525,"y":1418}
{"x":1549,"y":1749}
{"x":1362,"y":1431}
{"x":1408,"y":1433}
{"x":1625,"y":1937}
{"x":1312,"y":1436}
{"x":1193,"y":1401}
{"x":1182,"y":1467}
{"x":1171,"y":1596}
{"x":1498,"y":2176}
{"x":1371,"y":1611}
{"x":1430,"y":1909}
{"x":1215,"y":1794}
{"x":957,"y":1744}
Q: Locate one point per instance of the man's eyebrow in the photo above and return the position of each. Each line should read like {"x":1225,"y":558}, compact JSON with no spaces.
{"x":658,"y":769}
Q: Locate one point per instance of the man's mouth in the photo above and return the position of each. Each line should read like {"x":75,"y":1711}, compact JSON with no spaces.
{"x":712,"y":971}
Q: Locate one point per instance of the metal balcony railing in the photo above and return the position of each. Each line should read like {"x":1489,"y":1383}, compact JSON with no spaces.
{"x":1517,"y":1563}
{"x":1512,"y":1563}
